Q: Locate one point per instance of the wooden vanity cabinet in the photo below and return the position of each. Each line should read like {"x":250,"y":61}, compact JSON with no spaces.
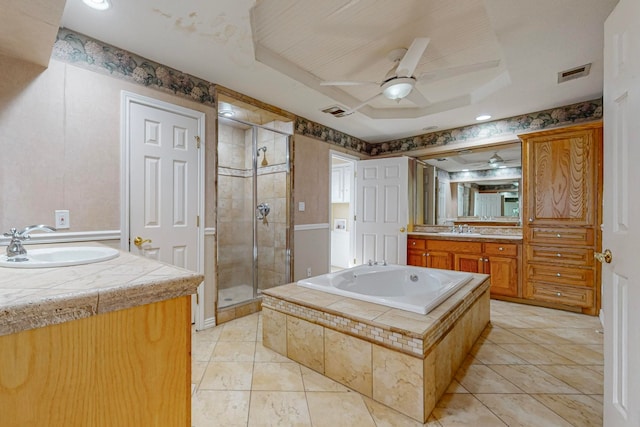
{"x":500,"y":260}
{"x":562,"y":199}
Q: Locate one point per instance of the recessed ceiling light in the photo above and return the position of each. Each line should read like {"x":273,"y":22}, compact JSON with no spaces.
{"x":227,"y":113}
{"x":483,"y":117}
{"x":98,"y":4}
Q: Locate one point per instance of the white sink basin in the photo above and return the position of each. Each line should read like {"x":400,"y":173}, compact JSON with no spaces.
{"x":61,"y":257}
{"x":451,"y":233}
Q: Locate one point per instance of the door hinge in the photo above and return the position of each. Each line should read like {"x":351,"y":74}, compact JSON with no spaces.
{"x":198,"y":221}
{"x":197,"y":141}
{"x":354,"y":217}
{"x":197,"y":298}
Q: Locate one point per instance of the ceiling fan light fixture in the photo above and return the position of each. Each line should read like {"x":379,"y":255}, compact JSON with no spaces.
{"x":398,"y":88}
{"x":495,"y":160}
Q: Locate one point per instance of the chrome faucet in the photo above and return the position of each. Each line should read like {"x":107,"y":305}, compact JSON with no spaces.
{"x":15,"y":251}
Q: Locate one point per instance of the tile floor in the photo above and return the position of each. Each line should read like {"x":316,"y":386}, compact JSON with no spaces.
{"x":532,"y":367}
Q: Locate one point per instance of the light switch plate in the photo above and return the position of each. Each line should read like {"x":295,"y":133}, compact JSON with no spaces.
{"x":301,"y":206}
{"x":62,"y":219}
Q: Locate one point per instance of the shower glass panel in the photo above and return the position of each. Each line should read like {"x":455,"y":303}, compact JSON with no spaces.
{"x":253,"y":210}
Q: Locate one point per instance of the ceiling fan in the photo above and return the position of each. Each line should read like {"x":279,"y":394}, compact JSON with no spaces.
{"x":399,"y":83}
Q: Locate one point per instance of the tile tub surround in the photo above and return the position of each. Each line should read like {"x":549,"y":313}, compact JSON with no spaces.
{"x":369,"y":347}
{"x":34,"y":298}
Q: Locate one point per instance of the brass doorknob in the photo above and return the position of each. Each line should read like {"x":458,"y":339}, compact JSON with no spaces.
{"x":402,"y":229}
{"x":138,"y":241}
{"x":603,"y":257}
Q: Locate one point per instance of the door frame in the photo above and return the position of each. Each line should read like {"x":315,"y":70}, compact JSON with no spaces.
{"x":126,"y":100}
{"x":352,"y":202}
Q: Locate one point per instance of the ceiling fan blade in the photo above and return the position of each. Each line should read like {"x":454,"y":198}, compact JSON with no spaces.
{"x":418,"y":98}
{"x":347,"y":83}
{"x":446,"y":73}
{"x":363,"y":103}
{"x":410,"y":60}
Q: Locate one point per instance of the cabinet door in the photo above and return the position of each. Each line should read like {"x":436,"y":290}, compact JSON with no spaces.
{"x":417,"y":258}
{"x":471,"y":263}
{"x":560,"y":176}
{"x":504,"y":275}
{"x":438,"y":259}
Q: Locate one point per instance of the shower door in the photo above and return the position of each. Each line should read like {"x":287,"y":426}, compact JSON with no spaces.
{"x":252,"y":211}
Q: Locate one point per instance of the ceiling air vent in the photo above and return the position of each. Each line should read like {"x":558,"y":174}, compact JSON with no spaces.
{"x":337,"y":111}
{"x":574,"y":73}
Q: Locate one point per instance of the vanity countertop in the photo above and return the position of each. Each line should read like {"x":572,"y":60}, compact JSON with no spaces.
{"x":33,"y":298}
{"x":462,"y":236}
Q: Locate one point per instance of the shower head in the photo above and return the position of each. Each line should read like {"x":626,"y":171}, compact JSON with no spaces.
{"x":264,"y":156}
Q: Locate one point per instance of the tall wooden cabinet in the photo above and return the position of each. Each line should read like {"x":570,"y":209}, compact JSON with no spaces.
{"x":562,"y":199}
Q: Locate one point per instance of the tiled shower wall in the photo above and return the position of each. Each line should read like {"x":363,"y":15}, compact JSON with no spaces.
{"x":236,"y":210}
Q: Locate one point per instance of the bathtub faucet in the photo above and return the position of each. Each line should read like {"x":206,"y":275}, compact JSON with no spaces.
{"x":371,"y":263}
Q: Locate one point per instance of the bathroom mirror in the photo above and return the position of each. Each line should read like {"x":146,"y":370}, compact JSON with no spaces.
{"x":479,"y":184}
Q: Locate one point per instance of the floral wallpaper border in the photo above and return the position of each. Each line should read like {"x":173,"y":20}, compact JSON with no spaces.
{"x":84,"y":51}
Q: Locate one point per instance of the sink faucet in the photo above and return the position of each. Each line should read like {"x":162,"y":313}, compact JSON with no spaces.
{"x":15,"y":251}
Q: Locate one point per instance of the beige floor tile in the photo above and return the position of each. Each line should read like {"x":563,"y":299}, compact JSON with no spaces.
{"x":347,"y":410}
{"x":201,"y":351}
{"x":313,"y":381}
{"x":492,"y":354}
{"x":209,"y":334}
{"x":521,"y":410}
{"x":227,"y":376}
{"x":598,"y":398}
{"x":277,"y":377}
{"x":232,"y":351}
{"x":456,"y":387}
{"x":197,"y":371}
{"x":278,"y":408}
{"x":264,"y":354}
{"x":577,"y":353}
{"x":502,"y":336}
{"x":220,"y":408}
{"x":540,"y":336}
{"x":597,"y":368}
{"x":239,"y":330}
{"x":384,"y":416}
{"x":578,"y":335}
{"x":532,"y":379}
{"x":482,"y":379}
{"x":509,"y":321}
{"x":577,"y":376}
{"x":455,"y":410}
{"x":536,"y":354}
{"x":578,"y":409}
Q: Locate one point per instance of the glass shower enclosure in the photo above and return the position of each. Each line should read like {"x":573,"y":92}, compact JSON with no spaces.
{"x":253,"y":209}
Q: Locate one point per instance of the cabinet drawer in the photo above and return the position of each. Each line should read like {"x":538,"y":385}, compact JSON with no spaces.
{"x":508,"y":249}
{"x":567,"y":295}
{"x":455,"y":246}
{"x":416,"y":243}
{"x":561,"y":274}
{"x":561,"y":255}
{"x":561,"y":236}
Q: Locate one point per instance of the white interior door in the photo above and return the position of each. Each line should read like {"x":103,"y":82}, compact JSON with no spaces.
{"x":382,"y":210}
{"x":164,"y":184}
{"x":621,"y":229}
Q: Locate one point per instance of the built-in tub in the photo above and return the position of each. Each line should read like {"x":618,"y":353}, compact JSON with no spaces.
{"x":415,"y":289}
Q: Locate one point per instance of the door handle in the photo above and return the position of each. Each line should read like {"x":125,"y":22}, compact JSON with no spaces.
{"x":402,"y":229}
{"x":138,"y":241}
{"x":603,"y":257}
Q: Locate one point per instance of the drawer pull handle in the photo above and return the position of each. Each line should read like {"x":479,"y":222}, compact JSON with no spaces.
{"x":558,"y":255}
{"x":558,"y":274}
{"x":558,"y":235}
{"x":424,"y":254}
{"x":413,"y":243}
{"x":480,"y":259}
{"x":501,"y":248}
{"x":558,"y":294}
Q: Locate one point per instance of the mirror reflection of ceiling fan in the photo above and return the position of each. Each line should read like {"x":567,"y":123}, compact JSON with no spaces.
{"x":399,"y":83}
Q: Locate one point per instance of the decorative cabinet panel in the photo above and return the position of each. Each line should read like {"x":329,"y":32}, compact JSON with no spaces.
{"x":341,"y":177}
{"x":562,"y":200}
{"x":500,"y":260}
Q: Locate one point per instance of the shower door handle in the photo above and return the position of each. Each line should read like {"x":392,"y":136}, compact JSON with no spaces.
{"x":263,"y":210}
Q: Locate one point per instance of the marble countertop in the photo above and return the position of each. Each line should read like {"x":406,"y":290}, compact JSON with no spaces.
{"x":33,"y":298}
{"x":462,"y":236}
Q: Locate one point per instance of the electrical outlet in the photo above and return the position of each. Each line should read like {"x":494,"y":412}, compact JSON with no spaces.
{"x":62,"y":219}
{"x":309,"y":272}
